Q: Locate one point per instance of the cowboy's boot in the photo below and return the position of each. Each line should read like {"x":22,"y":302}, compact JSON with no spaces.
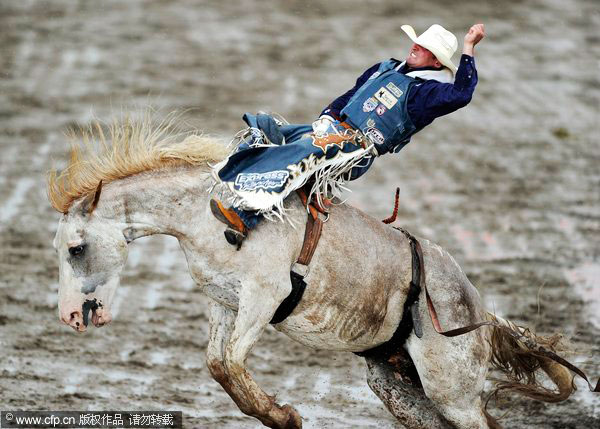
{"x":236,"y":230}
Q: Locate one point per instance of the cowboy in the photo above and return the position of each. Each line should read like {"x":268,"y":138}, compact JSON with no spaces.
{"x":389,"y":103}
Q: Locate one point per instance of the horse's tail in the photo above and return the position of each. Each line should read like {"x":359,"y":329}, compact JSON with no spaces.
{"x":519,"y":353}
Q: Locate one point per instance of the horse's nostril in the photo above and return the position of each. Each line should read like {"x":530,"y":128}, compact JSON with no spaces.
{"x":74,"y":320}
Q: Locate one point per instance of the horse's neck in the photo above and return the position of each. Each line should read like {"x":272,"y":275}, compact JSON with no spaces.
{"x":175,"y":202}
{"x":168,"y":202}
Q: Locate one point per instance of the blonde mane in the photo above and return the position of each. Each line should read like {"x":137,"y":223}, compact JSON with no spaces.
{"x":128,"y":147}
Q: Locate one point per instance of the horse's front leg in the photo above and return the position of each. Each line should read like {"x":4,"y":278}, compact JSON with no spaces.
{"x":221,"y":326}
{"x":257,"y":304}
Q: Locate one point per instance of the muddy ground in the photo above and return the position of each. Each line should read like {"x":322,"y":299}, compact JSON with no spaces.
{"x":510,"y":186}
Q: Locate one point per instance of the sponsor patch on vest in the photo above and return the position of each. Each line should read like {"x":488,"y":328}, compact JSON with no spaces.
{"x":369,"y":105}
{"x":381,"y":109}
{"x":253,"y":181}
{"x":394,"y":89}
{"x":370,"y":122}
{"x":386,"y":97}
{"x":375,"y":75}
{"x":374,"y":135}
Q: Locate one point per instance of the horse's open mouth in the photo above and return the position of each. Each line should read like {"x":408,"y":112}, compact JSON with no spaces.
{"x":99,"y":314}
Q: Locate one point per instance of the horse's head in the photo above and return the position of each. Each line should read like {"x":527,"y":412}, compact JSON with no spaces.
{"x":91,"y":252}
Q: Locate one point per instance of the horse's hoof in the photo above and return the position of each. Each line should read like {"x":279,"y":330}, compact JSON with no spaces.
{"x":294,"y":421}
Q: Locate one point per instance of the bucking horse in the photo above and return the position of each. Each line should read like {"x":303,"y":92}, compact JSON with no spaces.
{"x":140,"y":180}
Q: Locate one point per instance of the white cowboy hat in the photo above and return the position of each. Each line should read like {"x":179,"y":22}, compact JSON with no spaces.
{"x":438,"y":40}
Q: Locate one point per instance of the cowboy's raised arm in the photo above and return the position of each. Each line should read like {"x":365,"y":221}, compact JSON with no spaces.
{"x":473,"y":37}
{"x":443,"y":98}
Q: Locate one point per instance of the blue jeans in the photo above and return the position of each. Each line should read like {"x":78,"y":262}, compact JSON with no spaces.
{"x":250,"y":218}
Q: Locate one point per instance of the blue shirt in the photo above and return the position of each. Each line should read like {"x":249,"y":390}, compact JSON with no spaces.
{"x":427,"y":100}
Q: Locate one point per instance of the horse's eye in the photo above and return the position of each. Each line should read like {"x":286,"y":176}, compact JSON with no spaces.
{"x":76,"y":250}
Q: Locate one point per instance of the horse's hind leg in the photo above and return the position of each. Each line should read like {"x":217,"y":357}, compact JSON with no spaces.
{"x":397,"y":385}
{"x":453,"y":370}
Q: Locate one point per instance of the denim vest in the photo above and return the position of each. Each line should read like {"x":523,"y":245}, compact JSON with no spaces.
{"x":378,"y":109}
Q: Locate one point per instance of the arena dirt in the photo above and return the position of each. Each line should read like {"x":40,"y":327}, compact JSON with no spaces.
{"x":510,"y":186}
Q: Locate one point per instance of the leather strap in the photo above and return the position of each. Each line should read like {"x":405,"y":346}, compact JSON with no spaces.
{"x":312,"y":234}
{"x":418,"y":279}
{"x":314,"y":208}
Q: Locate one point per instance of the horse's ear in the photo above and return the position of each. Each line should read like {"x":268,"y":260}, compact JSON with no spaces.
{"x":91,"y":201}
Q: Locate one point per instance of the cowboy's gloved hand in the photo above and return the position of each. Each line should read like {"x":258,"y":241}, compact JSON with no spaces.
{"x":321,"y":125}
